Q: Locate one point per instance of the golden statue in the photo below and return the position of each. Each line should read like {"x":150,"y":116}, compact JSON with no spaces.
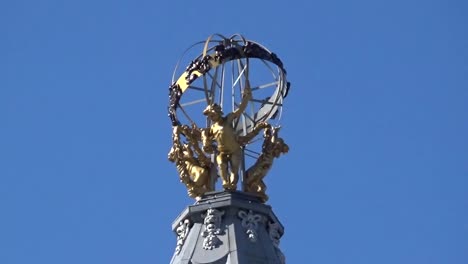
{"x":228,"y":147}
{"x":225,"y":140}
{"x":194,"y":171}
{"x":272,"y":148}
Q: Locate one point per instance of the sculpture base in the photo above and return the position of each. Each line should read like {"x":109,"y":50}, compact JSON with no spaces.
{"x":228,"y":227}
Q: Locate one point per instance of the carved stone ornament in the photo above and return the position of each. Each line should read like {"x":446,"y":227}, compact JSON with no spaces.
{"x":250,"y":222}
{"x":182,"y":232}
{"x":212,"y":224}
{"x":275,"y":235}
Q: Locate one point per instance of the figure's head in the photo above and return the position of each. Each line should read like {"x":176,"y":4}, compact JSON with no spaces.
{"x":171,"y":156}
{"x":280,"y":147}
{"x":186,"y":151}
{"x":213,"y":111}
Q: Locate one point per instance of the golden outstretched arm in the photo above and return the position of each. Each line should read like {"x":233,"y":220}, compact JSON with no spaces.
{"x":246,"y":96}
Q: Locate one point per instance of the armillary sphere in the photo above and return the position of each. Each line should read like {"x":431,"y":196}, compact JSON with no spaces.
{"x":216,"y":71}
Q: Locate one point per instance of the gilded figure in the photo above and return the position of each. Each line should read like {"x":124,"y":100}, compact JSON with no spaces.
{"x":273,"y":146}
{"x":228,"y":147}
{"x":194,"y":170}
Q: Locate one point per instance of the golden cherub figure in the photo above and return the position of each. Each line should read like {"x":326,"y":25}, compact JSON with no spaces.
{"x":273,"y":147}
{"x":228,"y":147}
{"x":194,"y":170}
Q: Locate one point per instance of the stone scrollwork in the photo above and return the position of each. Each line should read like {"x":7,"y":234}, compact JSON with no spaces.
{"x":182,"y":231}
{"x":250,"y":222}
{"x":212,"y":222}
{"x":275,"y":233}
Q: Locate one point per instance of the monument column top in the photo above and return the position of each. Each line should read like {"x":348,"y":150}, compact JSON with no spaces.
{"x":225,"y":107}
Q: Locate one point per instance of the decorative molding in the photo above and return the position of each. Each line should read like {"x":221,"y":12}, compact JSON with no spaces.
{"x":250,"y":222}
{"x":182,"y":232}
{"x":212,"y":222}
{"x":274,"y":231}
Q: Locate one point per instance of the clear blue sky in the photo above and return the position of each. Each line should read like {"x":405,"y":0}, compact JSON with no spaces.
{"x":377,"y":122}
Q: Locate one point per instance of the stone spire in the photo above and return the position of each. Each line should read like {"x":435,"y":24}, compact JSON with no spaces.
{"x":228,"y":228}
